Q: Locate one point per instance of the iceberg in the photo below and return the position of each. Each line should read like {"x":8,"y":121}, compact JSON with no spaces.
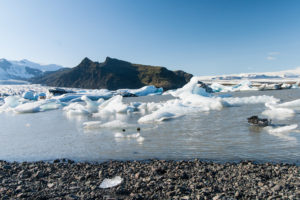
{"x":295,"y":104}
{"x":112,"y":106}
{"x":279,"y":113}
{"x":156,"y":116}
{"x":10,"y":102}
{"x":144,"y":91}
{"x":30,"y":95}
{"x":191,"y":87}
{"x":216,"y":87}
{"x":37,"y":106}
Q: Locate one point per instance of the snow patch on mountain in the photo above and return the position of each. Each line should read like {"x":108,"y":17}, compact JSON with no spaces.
{"x":23,"y":69}
{"x":286,"y":74}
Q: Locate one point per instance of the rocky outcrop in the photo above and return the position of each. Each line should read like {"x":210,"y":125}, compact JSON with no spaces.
{"x":114,"y":74}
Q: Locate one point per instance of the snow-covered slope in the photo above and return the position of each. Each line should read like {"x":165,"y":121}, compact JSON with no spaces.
{"x":293,"y":74}
{"x":24,"y":69}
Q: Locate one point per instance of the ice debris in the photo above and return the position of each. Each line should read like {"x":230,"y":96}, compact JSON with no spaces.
{"x":108,"y":183}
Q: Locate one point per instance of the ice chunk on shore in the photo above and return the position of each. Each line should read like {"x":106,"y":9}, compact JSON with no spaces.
{"x":108,"y":183}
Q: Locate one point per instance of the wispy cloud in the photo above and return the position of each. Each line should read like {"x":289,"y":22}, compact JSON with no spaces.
{"x":272,"y":55}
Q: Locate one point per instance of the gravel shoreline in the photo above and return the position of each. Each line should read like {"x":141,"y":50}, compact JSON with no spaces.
{"x":154,"y":179}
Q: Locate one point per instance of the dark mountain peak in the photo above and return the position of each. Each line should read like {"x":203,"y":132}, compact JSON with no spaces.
{"x":115,"y":74}
{"x":114,"y":61}
{"x":85,"y":62}
{"x":108,"y":59}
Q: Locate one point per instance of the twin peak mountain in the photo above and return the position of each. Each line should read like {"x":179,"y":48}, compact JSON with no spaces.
{"x":114,"y":74}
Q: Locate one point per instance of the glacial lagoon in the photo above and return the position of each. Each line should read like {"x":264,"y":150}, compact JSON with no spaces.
{"x":218,"y":135}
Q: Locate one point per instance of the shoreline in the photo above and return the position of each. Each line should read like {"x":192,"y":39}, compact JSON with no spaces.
{"x":149,"y":179}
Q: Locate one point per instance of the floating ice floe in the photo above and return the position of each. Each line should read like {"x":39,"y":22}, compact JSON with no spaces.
{"x":108,"y":183}
{"x":283,"y":131}
{"x":10,"y":102}
{"x":110,"y":124}
{"x":144,"y":91}
{"x":237,"y":101}
{"x":193,"y":98}
{"x":290,"y":104}
{"x":135,"y":136}
{"x":279,"y":113}
{"x":38,"y":106}
{"x":220,"y":88}
{"x":191,"y":87}
{"x":81,"y":109}
{"x":242,"y":86}
{"x":113,"y":106}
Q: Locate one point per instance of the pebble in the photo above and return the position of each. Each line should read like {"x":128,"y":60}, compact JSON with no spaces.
{"x":152,"y":179}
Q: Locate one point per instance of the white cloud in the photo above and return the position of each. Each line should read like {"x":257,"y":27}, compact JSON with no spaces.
{"x":272,"y":55}
{"x":271,"y":58}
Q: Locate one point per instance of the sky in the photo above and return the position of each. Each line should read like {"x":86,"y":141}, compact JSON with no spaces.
{"x":202,"y":37}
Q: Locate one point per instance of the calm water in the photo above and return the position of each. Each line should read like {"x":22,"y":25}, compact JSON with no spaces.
{"x":218,"y":135}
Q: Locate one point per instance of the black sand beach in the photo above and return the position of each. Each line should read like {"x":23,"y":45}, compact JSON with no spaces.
{"x":65,"y":179}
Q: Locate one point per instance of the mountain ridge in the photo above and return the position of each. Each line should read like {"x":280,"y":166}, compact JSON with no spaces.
{"x":114,"y":74}
{"x":23,"y":69}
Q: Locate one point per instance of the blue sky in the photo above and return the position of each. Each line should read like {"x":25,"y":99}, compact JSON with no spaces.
{"x":203,"y":37}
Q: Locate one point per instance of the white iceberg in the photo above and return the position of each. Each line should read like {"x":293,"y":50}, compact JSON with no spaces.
{"x":144,"y":91}
{"x":37,"y":106}
{"x":279,"y":113}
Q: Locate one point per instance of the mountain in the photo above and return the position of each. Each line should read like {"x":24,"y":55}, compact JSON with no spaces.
{"x":24,"y":69}
{"x":114,"y":74}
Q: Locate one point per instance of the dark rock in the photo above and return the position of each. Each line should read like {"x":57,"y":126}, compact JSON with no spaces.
{"x":58,"y":91}
{"x":255,"y":120}
{"x":7,"y":167}
{"x":206,"y":87}
{"x":39,"y":174}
